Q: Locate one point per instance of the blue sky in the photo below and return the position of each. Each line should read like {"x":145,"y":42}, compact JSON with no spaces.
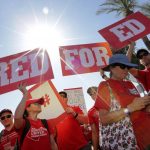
{"x":76,"y":22}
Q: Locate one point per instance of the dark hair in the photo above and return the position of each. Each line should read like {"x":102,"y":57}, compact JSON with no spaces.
{"x":5,"y":110}
{"x":63,"y":92}
{"x":25,"y":114}
{"x":142,"y":50}
{"x":92,"y":88}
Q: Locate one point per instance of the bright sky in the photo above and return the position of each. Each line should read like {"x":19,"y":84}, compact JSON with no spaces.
{"x":69,"y":22}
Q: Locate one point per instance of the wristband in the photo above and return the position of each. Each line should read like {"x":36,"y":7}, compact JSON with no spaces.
{"x":76,"y":115}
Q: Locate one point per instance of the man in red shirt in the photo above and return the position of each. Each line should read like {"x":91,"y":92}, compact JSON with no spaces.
{"x":142,"y":75}
{"x":93,"y":116}
{"x":8,"y":136}
{"x":69,"y":132}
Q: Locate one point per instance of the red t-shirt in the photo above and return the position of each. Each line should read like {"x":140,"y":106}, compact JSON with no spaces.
{"x":125,"y":92}
{"x":69,"y":133}
{"x":144,"y":78}
{"x":93,"y":117}
{"x":8,"y":139}
{"x":37,"y":137}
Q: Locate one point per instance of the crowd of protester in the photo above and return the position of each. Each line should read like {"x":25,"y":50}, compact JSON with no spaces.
{"x":119,"y":119}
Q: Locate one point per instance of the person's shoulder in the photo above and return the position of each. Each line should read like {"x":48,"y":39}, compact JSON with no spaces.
{"x":103,"y":84}
{"x":91,"y":110}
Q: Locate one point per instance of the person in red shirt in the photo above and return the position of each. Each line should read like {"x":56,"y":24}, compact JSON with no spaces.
{"x":93,"y":116}
{"x":38,"y":137}
{"x":143,"y":76}
{"x":8,"y":136}
{"x":69,"y":132}
{"x":119,"y":101}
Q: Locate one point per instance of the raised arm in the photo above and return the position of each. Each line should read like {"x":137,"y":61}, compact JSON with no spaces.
{"x":130,"y":50}
{"x":21,"y":107}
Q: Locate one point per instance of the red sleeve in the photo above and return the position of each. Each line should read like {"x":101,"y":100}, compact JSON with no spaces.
{"x":92,"y":115}
{"x":103,"y":97}
{"x":77,"y":109}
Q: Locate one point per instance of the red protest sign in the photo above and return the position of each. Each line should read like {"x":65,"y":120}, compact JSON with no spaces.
{"x":85,"y":58}
{"x":30,"y":67}
{"x":129,"y":29}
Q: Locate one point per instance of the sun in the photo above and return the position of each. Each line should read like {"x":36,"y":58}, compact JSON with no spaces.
{"x":43,"y":36}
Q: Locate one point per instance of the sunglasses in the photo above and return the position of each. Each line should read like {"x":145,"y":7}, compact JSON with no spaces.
{"x":4,"y":117}
{"x":122,"y":66}
{"x":142,"y":55}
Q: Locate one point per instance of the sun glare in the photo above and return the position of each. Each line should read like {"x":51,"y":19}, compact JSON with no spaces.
{"x":43,"y":36}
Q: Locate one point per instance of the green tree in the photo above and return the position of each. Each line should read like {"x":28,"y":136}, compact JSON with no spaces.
{"x":145,"y":8}
{"x":125,"y":8}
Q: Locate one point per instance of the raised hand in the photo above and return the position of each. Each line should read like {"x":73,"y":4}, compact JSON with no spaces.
{"x":22,"y":88}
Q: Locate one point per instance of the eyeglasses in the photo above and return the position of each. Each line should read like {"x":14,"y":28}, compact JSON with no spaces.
{"x":142,"y":55}
{"x":122,"y":66}
{"x":4,"y":117}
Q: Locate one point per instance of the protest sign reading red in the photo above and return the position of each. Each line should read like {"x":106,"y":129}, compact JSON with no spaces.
{"x":129,"y":29}
{"x":29,"y":67}
{"x":53,"y":107}
{"x":86,"y":58}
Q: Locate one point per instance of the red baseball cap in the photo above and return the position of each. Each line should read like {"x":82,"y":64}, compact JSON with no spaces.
{"x":38,"y":100}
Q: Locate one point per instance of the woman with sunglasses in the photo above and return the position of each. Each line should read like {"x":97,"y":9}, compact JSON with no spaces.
{"x":124,"y":120}
{"x":8,"y":136}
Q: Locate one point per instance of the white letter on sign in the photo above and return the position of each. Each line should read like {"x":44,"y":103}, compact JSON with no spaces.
{"x":35,"y":69}
{"x":16,"y":68}
{"x":69,"y":58}
{"x":101,"y":55}
{"x":3,"y":75}
{"x":120,"y":33}
{"x":86,"y":56}
{"x":135,"y":26}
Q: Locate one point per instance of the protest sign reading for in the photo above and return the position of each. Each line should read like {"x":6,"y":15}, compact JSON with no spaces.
{"x":76,"y":98}
{"x":86,"y":58}
{"x":29,"y":67}
{"x":131,"y":28}
{"x":53,"y":107}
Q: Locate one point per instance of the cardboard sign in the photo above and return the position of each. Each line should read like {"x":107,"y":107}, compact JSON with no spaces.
{"x":129,"y":29}
{"x":30,"y":67}
{"x":86,"y":58}
{"x":76,"y":98}
{"x":53,"y":107}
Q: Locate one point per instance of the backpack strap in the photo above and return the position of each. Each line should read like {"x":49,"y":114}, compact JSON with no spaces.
{"x":25,"y":131}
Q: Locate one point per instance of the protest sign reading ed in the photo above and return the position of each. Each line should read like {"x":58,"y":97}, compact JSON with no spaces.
{"x":86,"y":58}
{"x":129,"y":29}
{"x":30,"y":67}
